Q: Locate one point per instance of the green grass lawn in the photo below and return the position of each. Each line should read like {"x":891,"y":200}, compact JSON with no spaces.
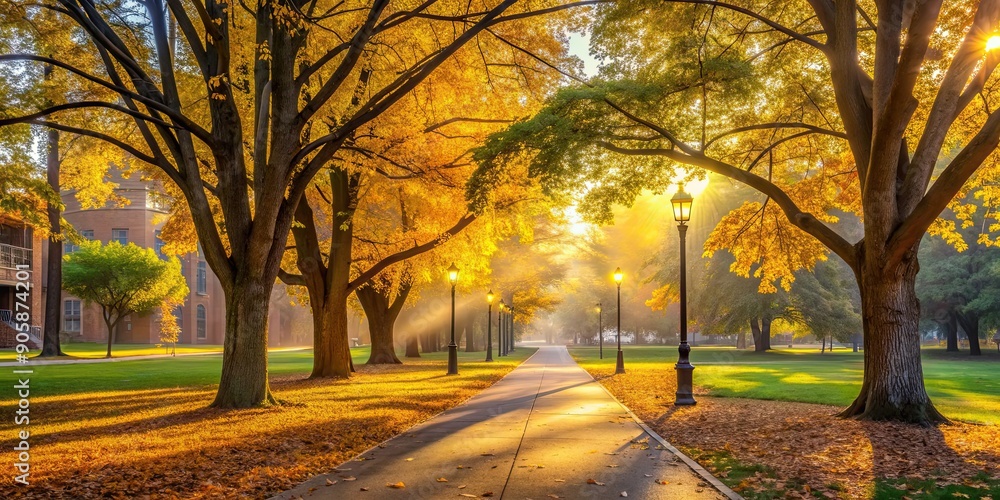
{"x":187,"y":372}
{"x":99,"y":349}
{"x":962,"y":387}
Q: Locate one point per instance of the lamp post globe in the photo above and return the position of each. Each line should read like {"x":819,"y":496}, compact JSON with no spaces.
{"x":453,"y":347}
{"x":681,"y":204}
{"x":620,"y":364}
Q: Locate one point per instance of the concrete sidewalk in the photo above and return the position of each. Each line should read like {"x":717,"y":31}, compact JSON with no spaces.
{"x":547,"y":430}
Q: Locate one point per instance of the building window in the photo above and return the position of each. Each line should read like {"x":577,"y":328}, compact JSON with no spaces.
{"x":202,"y":278}
{"x":159,"y":245}
{"x":202,"y":333}
{"x":120,"y":235}
{"x":71,"y":315}
{"x":70,"y":247}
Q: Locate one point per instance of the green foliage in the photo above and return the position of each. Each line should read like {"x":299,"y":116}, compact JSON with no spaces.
{"x":123,"y":279}
{"x":732,"y":311}
{"x":966,"y":281}
{"x":980,"y":486}
{"x":828,"y":301}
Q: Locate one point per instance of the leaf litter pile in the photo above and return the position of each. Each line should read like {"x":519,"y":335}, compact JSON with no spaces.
{"x":167,"y":443}
{"x":799,"y":450}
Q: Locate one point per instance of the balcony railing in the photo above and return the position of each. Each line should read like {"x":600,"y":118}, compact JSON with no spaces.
{"x":12,"y":256}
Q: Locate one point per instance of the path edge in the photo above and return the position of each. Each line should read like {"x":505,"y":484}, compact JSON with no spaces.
{"x":695,"y":466}
{"x":282,"y":494}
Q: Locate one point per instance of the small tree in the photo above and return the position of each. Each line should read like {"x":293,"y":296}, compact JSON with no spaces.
{"x":170,"y":331}
{"x":122,"y":279}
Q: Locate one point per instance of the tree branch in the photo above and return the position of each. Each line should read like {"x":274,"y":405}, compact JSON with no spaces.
{"x":411,"y":252}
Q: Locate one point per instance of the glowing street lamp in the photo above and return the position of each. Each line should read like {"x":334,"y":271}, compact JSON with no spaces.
{"x":620,"y":366}
{"x":489,"y":327}
{"x":681,"y":202}
{"x":453,"y":347}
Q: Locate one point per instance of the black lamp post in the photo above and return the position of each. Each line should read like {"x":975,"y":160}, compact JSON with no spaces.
{"x":502,"y":338}
{"x":600,"y":329}
{"x":489,"y":327}
{"x":511,"y":336}
{"x":620,"y":366}
{"x":453,"y":347}
{"x":681,"y":202}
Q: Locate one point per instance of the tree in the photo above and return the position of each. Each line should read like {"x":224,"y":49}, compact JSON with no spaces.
{"x":827,"y":303}
{"x":243,"y":109}
{"x":727,"y":303}
{"x":123,"y":280}
{"x":960,"y":287}
{"x":837,"y":108}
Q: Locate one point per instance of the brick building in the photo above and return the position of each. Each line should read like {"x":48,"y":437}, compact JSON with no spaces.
{"x":19,"y":247}
{"x":201,"y":316}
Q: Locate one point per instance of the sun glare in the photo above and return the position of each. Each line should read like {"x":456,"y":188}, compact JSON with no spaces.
{"x":574,"y":221}
{"x":693,"y":187}
{"x":993,"y":43}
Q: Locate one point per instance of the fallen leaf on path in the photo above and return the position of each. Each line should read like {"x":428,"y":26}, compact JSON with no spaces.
{"x":487,"y":494}
{"x":330,"y":483}
{"x":594,"y":481}
{"x":660,"y":481}
{"x":467,"y":495}
{"x":397,"y":486}
{"x":623,"y":494}
{"x":409,"y":459}
{"x":441,"y":480}
{"x":349,"y":478}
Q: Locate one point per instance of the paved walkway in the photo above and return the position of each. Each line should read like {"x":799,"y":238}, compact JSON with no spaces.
{"x":547,"y":430}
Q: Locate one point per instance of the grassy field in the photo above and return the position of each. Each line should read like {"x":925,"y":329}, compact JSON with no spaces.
{"x":143,"y":429}
{"x":186,"y":372}
{"x":962,"y":387}
{"x":96,"y":350}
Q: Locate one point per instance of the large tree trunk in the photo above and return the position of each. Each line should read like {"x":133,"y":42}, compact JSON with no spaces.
{"x":53,"y":281}
{"x":428,"y":342}
{"x":381,"y":317}
{"x":950,"y":326}
{"x":970,"y":325}
{"x":328,"y":284}
{"x":413,"y":346}
{"x":244,"y":381}
{"x":758,"y":339}
{"x":331,"y":342}
{"x":765,"y":332}
{"x":893,"y":387}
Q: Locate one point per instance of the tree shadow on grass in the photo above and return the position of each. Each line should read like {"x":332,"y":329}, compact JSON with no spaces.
{"x":904,"y":451}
